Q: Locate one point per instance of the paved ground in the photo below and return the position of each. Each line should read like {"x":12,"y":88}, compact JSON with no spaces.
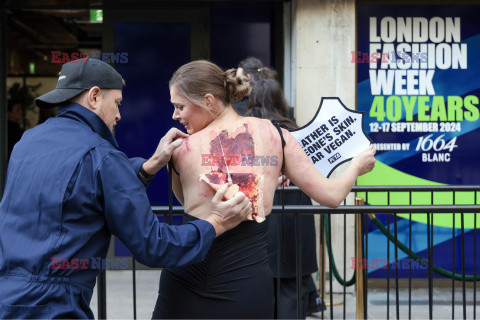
{"x":120,"y":294}
{"x":120,"y":300}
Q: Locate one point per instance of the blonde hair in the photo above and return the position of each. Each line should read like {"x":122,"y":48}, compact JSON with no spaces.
{"x":196,"y":79}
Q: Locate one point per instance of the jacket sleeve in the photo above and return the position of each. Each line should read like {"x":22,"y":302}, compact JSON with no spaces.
{"x":136,"y":164}
{"x":129,"y":217}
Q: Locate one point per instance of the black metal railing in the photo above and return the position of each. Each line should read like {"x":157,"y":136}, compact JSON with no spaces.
{"x":431,"y":212}
{"x":362,"y":223}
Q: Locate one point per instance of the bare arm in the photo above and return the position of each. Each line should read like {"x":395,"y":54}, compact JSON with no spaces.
{"x":327,"y":192}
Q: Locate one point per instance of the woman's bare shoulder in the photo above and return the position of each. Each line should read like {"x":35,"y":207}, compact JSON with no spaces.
{"x":257,"y":128}
{"x":253,"y":124}
{"x":257,"y":121}
{"x":190,"y":145}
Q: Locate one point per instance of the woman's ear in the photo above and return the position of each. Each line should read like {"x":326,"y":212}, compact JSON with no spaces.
{"x":210,"y":101}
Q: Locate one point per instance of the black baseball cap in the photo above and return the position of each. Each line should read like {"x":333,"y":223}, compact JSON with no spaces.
{"x":77,"y":76}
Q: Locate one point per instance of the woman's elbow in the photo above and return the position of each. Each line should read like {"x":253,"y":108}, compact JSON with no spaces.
{"x":333,"y":204}
{"x":334,"y":201}
{"x":330,"y":200}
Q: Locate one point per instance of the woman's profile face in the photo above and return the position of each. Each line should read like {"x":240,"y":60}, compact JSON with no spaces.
{"x":193,"y":117}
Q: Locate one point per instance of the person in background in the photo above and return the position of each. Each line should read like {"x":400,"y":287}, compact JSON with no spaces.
{"x":267,"y":101}
{"x":254,"y":69}
{"x":19,"y":99}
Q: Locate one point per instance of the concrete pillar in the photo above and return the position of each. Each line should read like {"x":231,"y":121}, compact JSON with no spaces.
{"x":325,"y":38}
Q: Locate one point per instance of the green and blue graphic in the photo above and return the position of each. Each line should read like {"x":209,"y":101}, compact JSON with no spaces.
{"x":419,"y":87}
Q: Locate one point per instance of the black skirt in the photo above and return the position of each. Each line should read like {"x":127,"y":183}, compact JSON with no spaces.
{"x":233,"y":281}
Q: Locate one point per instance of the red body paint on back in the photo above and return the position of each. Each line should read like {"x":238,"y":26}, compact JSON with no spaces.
{"x":238,"y":145}
{"x":235,"y":147}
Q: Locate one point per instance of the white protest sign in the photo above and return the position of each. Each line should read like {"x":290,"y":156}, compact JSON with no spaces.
{"x":335,"y":135}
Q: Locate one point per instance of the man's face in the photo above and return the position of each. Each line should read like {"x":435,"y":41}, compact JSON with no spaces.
{"x":109,"y":111}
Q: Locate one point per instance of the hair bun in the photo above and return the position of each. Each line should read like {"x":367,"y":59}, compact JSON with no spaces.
{"x":236,"y":87}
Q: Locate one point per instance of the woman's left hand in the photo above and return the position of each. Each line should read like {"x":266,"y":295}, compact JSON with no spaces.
{"x":364,"y":162}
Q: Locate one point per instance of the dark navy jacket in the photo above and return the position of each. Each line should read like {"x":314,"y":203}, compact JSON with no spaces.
{"x":68,"y":189}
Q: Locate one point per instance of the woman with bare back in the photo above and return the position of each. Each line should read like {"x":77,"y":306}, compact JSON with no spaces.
{"x":240,"y":154}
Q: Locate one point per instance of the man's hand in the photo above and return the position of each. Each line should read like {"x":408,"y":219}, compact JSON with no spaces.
{"x":166,"y":146}
{"x":228,"y":214}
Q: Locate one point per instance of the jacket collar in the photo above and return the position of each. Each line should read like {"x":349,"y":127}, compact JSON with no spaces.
{"x":79,"y":113}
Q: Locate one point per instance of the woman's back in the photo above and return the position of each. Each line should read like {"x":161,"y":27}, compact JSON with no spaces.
{"x":241,"y":150}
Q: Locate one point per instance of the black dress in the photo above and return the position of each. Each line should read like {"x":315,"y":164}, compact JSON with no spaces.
{"x":284,"y":229}
{"x":233,"y":282}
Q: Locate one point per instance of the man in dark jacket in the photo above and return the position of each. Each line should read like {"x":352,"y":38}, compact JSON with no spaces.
{"x":69,"y":188}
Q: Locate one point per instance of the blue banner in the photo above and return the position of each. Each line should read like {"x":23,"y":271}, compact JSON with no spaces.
{"x":419,"y":86}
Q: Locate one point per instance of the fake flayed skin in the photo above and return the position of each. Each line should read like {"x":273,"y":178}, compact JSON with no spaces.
{"x":248,"y":183}
{"x":237,"y":144}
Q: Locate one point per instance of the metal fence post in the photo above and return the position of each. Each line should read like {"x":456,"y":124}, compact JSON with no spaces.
{"x":322,"y":271}
{"x":321,"y":257}
{"x":298,"y":261}
{"x":359,"y":255}
{"x":102,"y":295}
